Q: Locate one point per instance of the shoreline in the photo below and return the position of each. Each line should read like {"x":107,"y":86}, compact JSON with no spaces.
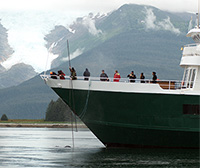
{"x":38,"y":125}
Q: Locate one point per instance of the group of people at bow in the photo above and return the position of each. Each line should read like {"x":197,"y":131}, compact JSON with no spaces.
{"x":103,"y":76}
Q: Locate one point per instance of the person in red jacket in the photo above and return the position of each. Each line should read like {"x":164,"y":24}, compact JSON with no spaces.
{"x":61,"y":74}
{"x":116,"y":76}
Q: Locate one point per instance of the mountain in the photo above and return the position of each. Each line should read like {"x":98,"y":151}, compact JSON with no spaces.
{"x":135,"y":50}
{"x":18,"y":73}
{"x":134,"y":37}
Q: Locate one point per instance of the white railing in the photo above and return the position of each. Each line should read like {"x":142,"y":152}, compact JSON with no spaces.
{"x":164,"y":84}
{"x":191,"y":45}
{"x":191,"y":50}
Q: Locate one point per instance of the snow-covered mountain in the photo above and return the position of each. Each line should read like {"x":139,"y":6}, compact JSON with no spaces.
{"x":26,"y":31}
{"x":19,"y":72}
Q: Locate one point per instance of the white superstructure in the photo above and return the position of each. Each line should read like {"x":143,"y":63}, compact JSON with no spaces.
{"x":191,"y":61}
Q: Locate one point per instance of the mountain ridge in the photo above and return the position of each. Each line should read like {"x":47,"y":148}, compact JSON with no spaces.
{"x":18,"y":73}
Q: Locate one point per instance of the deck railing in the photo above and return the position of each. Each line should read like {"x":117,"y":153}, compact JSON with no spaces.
{"x":164,"y":84}
{"x":191,"y":50}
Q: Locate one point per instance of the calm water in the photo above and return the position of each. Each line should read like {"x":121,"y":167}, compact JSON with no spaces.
{"x":49,"y":147}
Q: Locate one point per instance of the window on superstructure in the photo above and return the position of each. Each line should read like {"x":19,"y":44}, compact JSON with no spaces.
{"x":185,"y":78}
{"x":192,"y":78}
{"x":189,"y":77}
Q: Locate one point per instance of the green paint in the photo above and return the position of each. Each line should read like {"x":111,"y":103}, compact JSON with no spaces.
{"x":137,"y":119}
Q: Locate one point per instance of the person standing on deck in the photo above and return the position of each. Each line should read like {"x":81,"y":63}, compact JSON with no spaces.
{"x":73,"y":73}
{"x":53,"y":75}
{"x":86,"y":74}
{"x":154,"y":78}
{"x":131,"y":76}
{"x":61,"y":74}
{"x":142,"y":77}
{"x":104,"y":76}
{"x":116,"y":76}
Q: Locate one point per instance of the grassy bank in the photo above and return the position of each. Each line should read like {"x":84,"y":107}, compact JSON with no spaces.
{"x":28,"y":121}
{"x":39,"y":124}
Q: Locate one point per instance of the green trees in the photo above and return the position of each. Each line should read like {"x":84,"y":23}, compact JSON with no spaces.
{"x":58,"y":111}
{"x":4,"y":117}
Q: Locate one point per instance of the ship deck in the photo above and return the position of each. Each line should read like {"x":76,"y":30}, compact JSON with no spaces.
{"x":124,"y":85}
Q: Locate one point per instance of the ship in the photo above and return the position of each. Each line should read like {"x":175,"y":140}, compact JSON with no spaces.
{"x":147,"y":114}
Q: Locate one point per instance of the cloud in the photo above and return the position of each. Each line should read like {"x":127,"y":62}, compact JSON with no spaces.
{"x":97,"y":5}
{"x":75,"y":54}
{"x":150,"y":19}
{"x":152,"y":23}
{"x":89,"y":23}
{"x":166,"y":24}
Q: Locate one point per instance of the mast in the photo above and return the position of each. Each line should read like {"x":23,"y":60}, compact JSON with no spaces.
{"x":198,"y":16}
{"x":68,"y":53}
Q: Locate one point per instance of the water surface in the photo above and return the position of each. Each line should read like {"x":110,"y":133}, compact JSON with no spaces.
{"x":53,"y":147}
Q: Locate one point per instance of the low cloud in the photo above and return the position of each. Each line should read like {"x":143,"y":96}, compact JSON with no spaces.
{"x":75,"y":54}
{"x":166,"y":24}
{"x":190,"y":26}
{"x":152,"y":23}
{"x":150,"y":19}
{"x":89,"y":23}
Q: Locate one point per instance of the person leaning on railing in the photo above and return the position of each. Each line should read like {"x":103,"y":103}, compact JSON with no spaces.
{"x":86,"y":74}
{"x":53,"y":75}
{"x":61,"y":74}
{"x":104,"y":76}
{"x":131,"y":76}
{"x":142,"y":77}
{"x":116,"y":76}
{"x":154,"y":78}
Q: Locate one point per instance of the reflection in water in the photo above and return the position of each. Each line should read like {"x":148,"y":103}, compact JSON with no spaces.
{"x":50,"y":147}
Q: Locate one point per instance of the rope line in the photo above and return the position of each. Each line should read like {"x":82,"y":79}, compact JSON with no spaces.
{"x":86,"y":102}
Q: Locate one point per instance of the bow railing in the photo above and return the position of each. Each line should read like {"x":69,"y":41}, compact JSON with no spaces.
{"x":164,"y":84}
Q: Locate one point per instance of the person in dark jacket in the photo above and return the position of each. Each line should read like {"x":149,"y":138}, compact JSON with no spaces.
{"x":142,"y":77}
{"x":104,"y":76}
{"x":131,"y":76}
{"x":86,"y":74}
{"x":73,"y":73}
{"x":154,"y":78}
{"x":53,"y":75}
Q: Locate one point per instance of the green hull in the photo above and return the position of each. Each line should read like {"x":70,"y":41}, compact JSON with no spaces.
{"x":137,"y":119}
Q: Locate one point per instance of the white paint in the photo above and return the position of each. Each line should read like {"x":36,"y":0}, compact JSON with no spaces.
{"x":122,"y":87}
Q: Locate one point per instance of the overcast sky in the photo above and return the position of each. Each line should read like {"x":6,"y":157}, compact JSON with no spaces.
{"x":96,"y":5}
